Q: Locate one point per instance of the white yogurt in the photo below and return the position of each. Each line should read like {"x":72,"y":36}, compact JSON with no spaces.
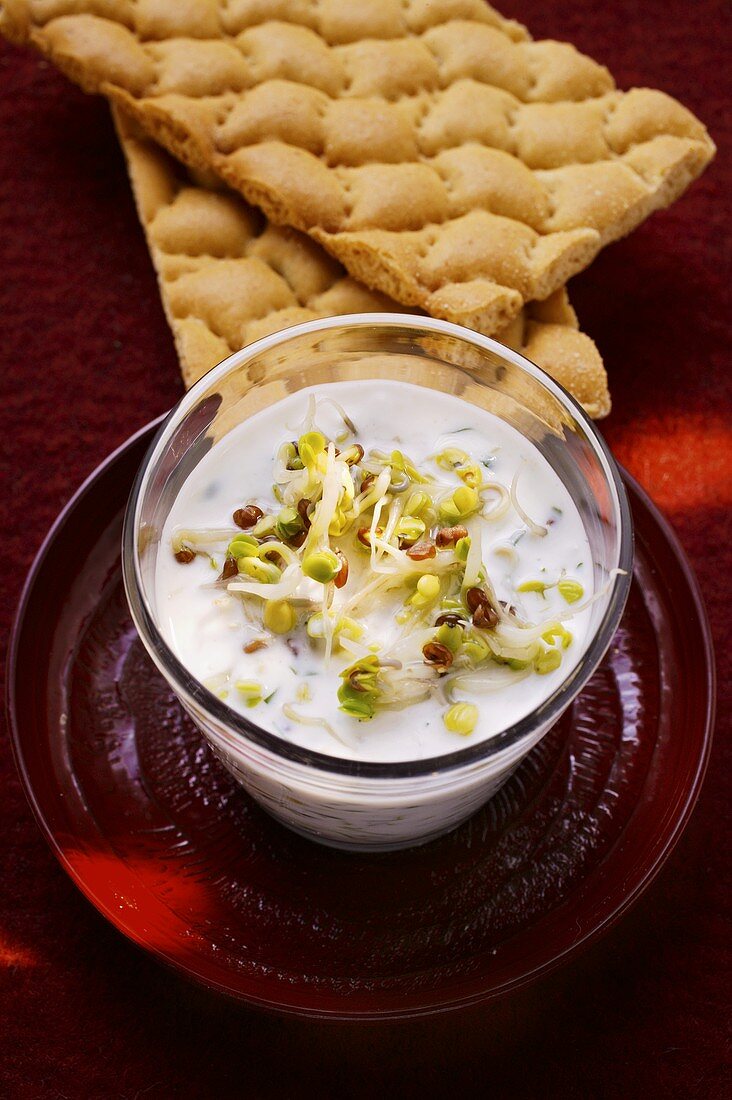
{"x":208,"y":628}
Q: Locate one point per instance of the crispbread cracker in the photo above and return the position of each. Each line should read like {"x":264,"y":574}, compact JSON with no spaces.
{"x":442,"y":155}
{"x":228,"y":277}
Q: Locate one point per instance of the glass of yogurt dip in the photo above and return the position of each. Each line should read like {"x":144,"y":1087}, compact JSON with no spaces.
{"x":376,"y":557}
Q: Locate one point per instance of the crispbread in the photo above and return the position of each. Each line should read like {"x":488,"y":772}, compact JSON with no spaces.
{"x":228,"y":277}
{"x":442,"y":155}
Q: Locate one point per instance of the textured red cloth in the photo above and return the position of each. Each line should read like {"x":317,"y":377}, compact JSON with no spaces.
{"x":87,"y":358}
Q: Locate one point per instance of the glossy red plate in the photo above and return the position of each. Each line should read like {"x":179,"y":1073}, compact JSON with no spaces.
{"x":159,"y":838}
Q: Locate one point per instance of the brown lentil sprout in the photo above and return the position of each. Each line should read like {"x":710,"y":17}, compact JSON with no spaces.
{"x":484,"y":616}
{"x":342,"y":575}
{"x":358,"y":456}
{"x":364,"y":535}
{"x":367,"y":481}
{"x":437,"y":655}
{"x":253,"y":646}
{"x":448,"y":536}
{"x":247,"y":517}
{"x":422,"y":551}
{"x":450,"y":618}
{"x":272,"y":555}
{"x":185,"y":555}
{"x":474,"y":597}
{"x":230,"y":570}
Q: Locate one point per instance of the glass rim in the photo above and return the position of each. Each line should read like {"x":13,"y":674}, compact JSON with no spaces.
{"x":198,"y":697}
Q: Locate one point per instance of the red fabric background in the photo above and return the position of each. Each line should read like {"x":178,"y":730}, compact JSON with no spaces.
{"x":87,"y":358}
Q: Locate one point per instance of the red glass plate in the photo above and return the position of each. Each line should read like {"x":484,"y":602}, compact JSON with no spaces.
{"x":160,"y":839}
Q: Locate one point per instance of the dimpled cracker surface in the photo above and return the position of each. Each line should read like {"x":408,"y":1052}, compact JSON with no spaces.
{"x":228,"y":277}
{"x":442,"y":155}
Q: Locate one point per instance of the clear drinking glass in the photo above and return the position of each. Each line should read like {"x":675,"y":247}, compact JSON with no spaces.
{"x":346,"y":803}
